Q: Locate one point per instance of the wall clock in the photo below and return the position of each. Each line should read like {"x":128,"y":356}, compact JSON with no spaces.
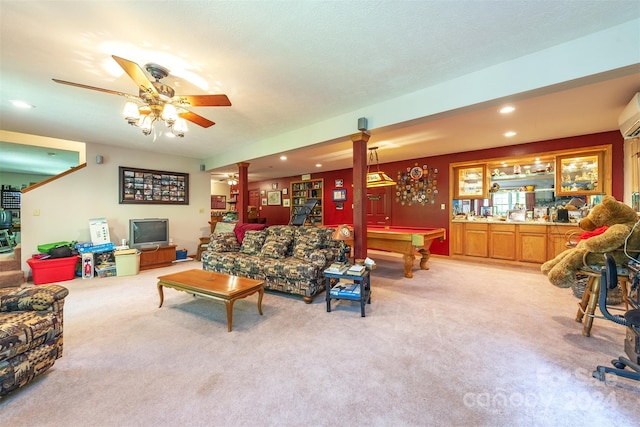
{"x":416,"y":173}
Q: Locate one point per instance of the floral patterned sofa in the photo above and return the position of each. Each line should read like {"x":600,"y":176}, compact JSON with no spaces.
{"x":30,"y":333}
{"x":287,"y":258}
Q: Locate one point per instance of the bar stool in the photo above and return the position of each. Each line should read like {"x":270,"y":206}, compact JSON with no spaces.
{"x":587,"y":306}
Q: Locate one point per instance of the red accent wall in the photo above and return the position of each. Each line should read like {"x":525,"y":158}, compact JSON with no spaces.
{"x":275,"y":215}
{"x":431,"y":215}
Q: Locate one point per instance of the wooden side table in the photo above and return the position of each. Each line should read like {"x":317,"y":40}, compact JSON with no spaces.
{"x":363,"y":280}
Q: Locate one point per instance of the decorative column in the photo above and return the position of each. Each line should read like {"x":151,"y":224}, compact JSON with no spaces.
{"x":243,"y":192}
{"x":359,"y":193}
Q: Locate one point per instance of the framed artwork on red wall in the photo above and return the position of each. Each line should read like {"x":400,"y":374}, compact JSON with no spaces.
{"x":340,"y":195}
{"x":218,"y":202}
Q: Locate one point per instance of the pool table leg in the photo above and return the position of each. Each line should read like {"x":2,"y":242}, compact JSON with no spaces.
{"x":425,"y":257}
{"x":408,"y":265}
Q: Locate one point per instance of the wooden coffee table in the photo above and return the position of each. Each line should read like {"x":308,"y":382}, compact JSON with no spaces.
{"x":208,"y":284}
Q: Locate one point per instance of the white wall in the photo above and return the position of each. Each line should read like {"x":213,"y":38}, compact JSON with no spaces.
{"x":220,"y":188}
{"x":60,"y":210}
{"x":18,"y":180}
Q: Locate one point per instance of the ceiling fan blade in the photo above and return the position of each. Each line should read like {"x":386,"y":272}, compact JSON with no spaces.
{"x":99,"y":89}
{"x":202,"y":100}
{"x":135,"y":72}
{"x":195,"y":118}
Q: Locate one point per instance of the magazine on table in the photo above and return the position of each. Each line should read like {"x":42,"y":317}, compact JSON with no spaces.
{"x":345,"y":290}
{"x":356,"y":270}
{"x":337,"y":268}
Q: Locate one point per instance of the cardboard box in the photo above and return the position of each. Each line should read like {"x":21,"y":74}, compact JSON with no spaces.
{"x":52,"y":270}
{"x":103,"y":257}
{"x":127,"y":262}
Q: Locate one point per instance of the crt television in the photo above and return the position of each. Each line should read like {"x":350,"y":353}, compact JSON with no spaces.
{"x":148,"y":232}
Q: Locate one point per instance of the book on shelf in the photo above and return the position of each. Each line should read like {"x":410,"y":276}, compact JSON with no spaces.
{"x":356,"y":270}
{"x":345,"y":290}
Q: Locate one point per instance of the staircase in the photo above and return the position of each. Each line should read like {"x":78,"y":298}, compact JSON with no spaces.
{"x":11,"y":273}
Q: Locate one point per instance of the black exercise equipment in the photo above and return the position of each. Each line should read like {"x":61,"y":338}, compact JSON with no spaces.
{"x":631,"y":320}
{"x":300,"y":217}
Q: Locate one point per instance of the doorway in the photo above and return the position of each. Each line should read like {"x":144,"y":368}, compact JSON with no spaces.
{"x":254,"y":207}
{"x":379,"y":206}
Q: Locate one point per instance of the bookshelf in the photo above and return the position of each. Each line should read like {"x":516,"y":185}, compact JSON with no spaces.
{"x":301,"y":191}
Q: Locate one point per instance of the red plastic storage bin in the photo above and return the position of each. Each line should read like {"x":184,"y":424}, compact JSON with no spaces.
{"x":52,"y":270}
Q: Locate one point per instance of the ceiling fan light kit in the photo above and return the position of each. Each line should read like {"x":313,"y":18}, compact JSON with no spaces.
{"x":157,"y":101}
{"x":167,"y":113}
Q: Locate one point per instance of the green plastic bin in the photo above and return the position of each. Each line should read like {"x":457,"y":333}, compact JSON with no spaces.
{"x":127,"y":262}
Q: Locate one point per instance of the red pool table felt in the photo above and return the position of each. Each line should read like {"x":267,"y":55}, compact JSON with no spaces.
{"x":406,"y":241}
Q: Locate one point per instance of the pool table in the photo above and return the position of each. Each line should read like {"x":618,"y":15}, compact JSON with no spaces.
{"x":406,"y":241}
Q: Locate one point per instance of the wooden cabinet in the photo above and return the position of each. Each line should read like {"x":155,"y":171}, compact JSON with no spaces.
{"x":557,"y":238}
{"x":532,"y":243}
{"x":502,"y":241}
{"x":476,"y":240}
{"x":528,"y":243}
{"x":457,"y":238}
{"x":529,"y":182}
{"x":301,"y":191}
{"x":161,"y":256}
{"x":470,"y":182}
{"x":580,"y":173}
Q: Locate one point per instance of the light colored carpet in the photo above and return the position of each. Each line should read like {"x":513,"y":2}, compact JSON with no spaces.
{"x":460,"y":344}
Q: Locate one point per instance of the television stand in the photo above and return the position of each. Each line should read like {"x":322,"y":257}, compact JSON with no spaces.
{"x":157,"y":256}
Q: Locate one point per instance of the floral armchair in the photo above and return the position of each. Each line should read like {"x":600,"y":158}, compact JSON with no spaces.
{"x":30,"y":333}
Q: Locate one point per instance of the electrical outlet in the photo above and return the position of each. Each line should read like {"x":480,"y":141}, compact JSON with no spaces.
{"x":442,"y":206}
{"x":36,"y":212}
{"x":201,"y":210}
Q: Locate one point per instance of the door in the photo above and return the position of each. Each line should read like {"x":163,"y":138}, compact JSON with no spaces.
{"x":254,"y":198}
{"x":379,"y":205}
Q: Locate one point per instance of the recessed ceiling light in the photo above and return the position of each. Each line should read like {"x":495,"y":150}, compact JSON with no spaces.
{"x":283,"y":157}
{"x":318,"y":165}
{"x":508,"y":109}
{"x":510,"y":134}
{"x":22,"y":104}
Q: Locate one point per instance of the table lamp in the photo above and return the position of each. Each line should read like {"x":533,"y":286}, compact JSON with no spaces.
{"x":343,"y":233}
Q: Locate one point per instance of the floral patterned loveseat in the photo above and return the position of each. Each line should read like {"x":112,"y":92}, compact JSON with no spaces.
{"x":30,"y":333}
{"x":287,"y":258}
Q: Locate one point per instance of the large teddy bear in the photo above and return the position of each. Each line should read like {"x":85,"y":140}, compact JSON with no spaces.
{"x":618,"y":220}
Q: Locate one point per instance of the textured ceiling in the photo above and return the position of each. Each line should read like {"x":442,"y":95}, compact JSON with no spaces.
{"x":309,"y":67}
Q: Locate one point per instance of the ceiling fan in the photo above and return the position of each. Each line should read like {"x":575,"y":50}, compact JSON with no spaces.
{"x":229,"y":178}
{"x":157,"y":101}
